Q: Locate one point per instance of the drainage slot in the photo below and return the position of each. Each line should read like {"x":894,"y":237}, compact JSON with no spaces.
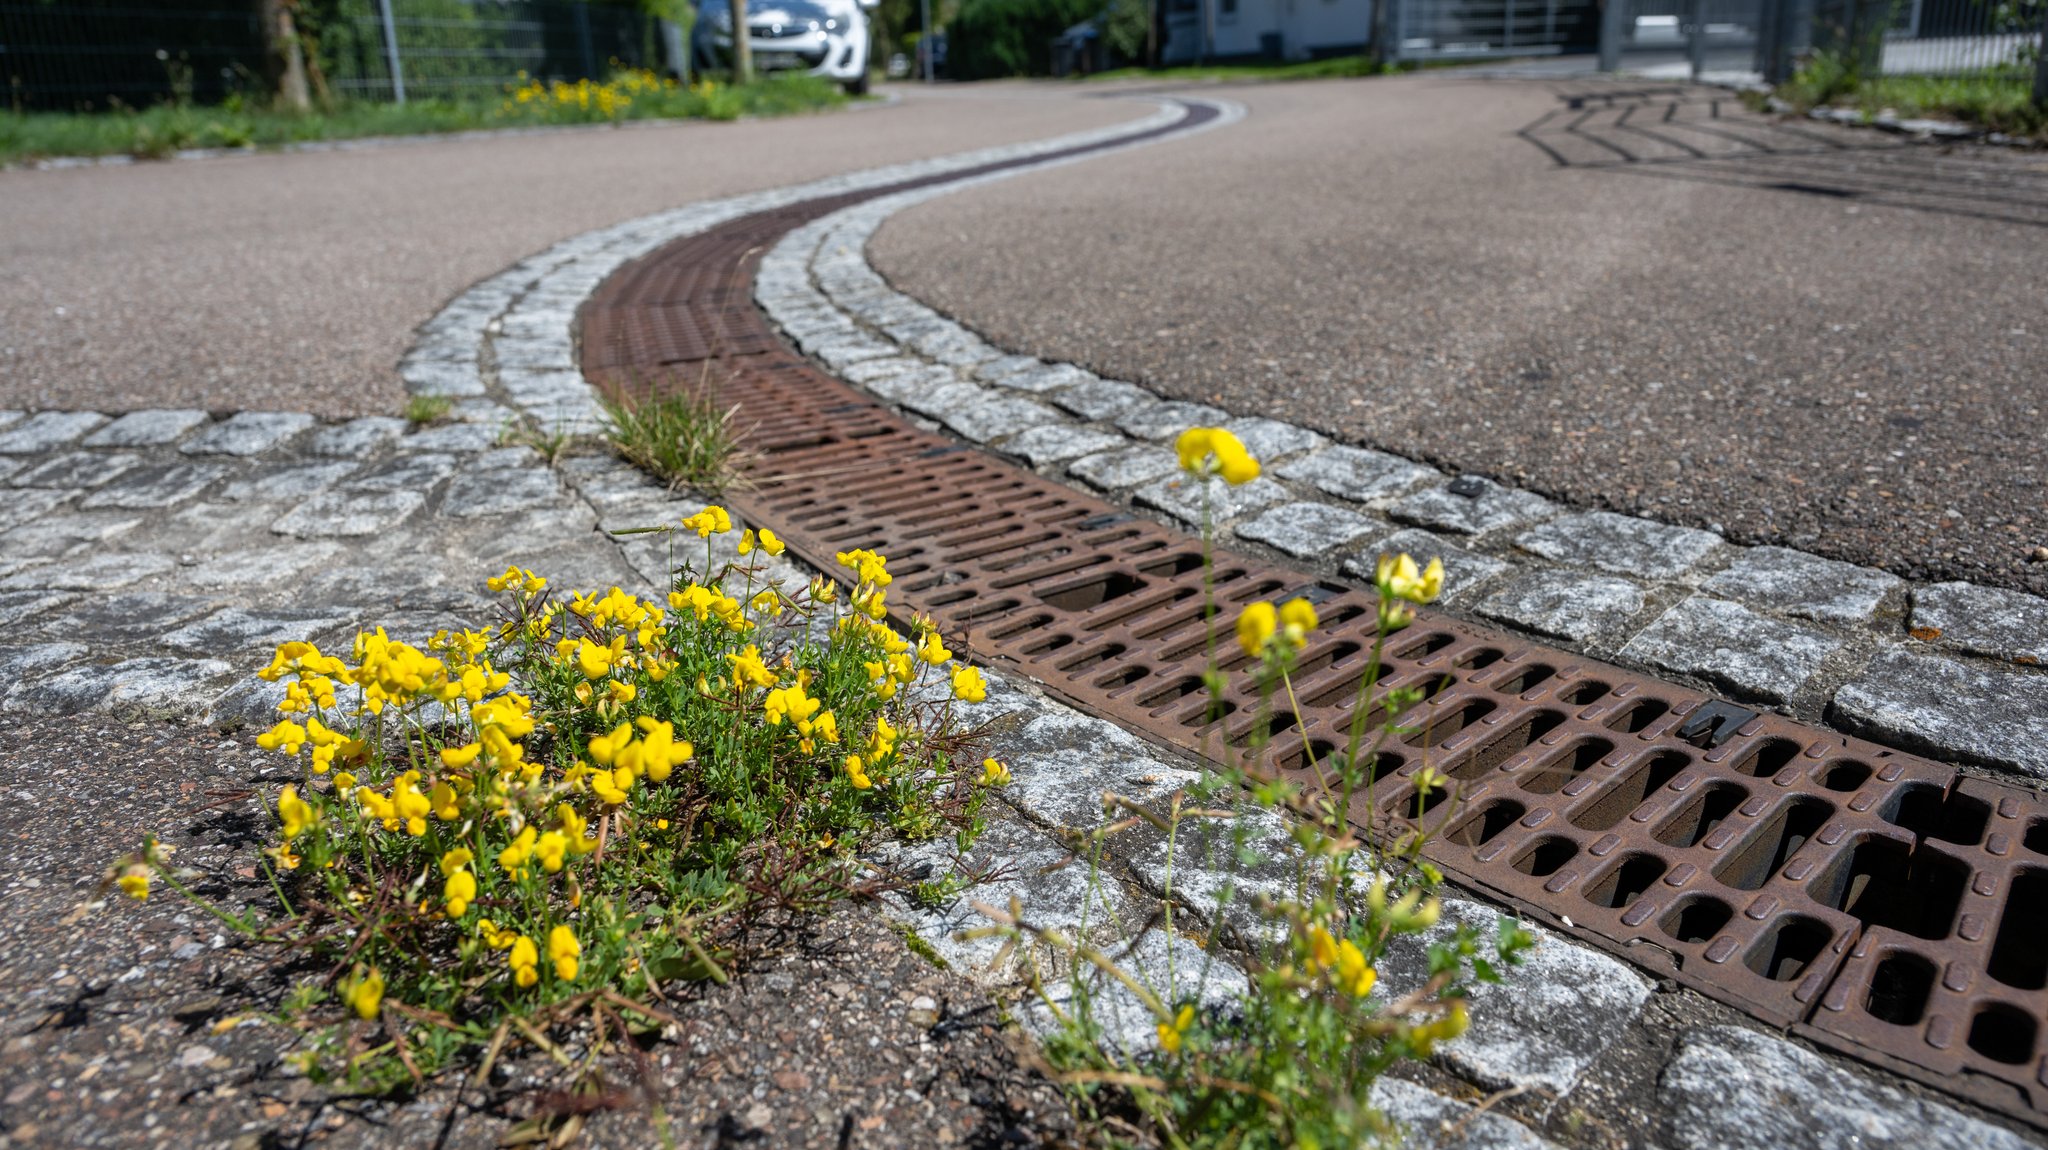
{"x":1321,"y":659}
{"x":984,"y":610}
{"x":1428,"y":645}
{"x":1699,"y":817}
{"x":1791,"y":945}
{"x":1545,"y":856}
{"x":2019,"y":952}
{"x":1550,"y":777}
{"x":1122,"y":678}
{"x":1505,"y":746}
{"x":1771,"y":844}
{"x":1442,"y":726}
{"x":1614,"y":804}
{"x":2036,"y":839}
{"x":1475,"y":659}
{"x":1528,"y":677}
{"x":1900,"y":988}
{"x":1485,"y":824}
{"x":1697,"y":919}
{"x":1092,"y":657}
{"x":1093,"y":592}
{"x":1582,"y":692}
{"x":1048,"y":645}
{"x":1180,"y":688}
{"x":1884,"y":882}
{"x":1845,"y":775}
{"x":1173,"y":565}
{"x":1019,"y":626}
{"x":1953,"y":817}
{"x":1624,"y":883}
{"x":1767,"y":758}
{"x":2003,"y":1034}
{"x":1633,"y":720}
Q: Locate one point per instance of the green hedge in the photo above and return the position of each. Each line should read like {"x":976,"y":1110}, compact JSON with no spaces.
{"x":991,"y":38}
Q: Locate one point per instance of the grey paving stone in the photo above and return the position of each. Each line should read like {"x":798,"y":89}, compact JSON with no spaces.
{"x":1622,"y":544}
{"x":1184,"y":497}
{"x":441,"y":378}
{"x":348,"y":511}
{"x":1046,"y":377}
{"x":1222,"y":867}
{"x":1270,"y":439}
{"x":128,"y":615}
{"x":19,"y":662}
{"x":265,"y":567}
{"x":915,"y":386}
{"x":58,"y":534}
{"x":1168,"y":420}
{"x":47,"y":431}
{"x":1796,"y":583}
{"x":1434,"y":1122}
{"x":1358,"y":474}
{"x":532,"y":388}
{"x":11,"y":417}
{"x":996,"y":370}
{"x":30,"y":504}
{"x":155,"y":486}
{"x":996,"y":416}
{"x":946,"y":398}
{"x":1981,"y":620}
{"x":1562,"y":605}
{"x":1541,"y":1027}
{"x":102,"y":572}
{"x":76,"y":470}
{"x":521,"y":490}
{"x":1103,"y":399}
{"x":1125,"y":466}
{"x":247,"y":433}
{"x":463,"y":437}
{"x":958,"y":347}
{"x":1173,"y":966}
{"x":1464,"y":571}
{"x":870,"y":370}
{"x":1053,"y":442}
{"x":356,"y":438}
{"x":1491,"y":508}
{"x":283,"y":481}
{"x":842,"y":355}
{"x":10,"y":466}
{"x":1308,"y":530}
{"x":1061,"y":762}
{"x":541,"y":352}
{"x":1747,"y":654}
{"x":1996,"y":716}
{"x":176,"y":686}
{"x":233,"y":629}
{"x":1735,"y":1089}
{"x":146,"y":428}
{"x":16,"y":606}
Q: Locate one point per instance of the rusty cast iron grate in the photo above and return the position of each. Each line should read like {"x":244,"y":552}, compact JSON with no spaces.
{"x":1877,"y":902}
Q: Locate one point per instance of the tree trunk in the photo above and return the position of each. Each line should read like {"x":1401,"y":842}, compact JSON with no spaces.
{"x":742,"y":45}
{"x":286,"y":58}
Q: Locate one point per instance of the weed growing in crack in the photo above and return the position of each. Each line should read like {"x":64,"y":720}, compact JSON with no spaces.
{"x":421,"y":410}
{"x":521,"y":833}
{"x":1290,"y":1062}
{"x":686,"y":440}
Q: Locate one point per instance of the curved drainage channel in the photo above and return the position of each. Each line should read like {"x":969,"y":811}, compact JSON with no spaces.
{"x":1875,"y":902}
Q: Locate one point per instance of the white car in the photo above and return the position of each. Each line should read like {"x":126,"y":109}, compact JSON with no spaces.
{"x":829,"y":38}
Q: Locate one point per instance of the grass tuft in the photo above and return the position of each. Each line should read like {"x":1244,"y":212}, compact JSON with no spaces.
{"x":1998,"y":99}
{"x":683,"y":440}
{"x":425,"y":409}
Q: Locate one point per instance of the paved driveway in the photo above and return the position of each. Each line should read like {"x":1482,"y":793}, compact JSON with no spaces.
{"x":293,"y":282}
{"x":1656,"y":303}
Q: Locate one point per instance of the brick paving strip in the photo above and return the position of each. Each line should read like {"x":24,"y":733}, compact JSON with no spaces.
{"x":176,"y":547}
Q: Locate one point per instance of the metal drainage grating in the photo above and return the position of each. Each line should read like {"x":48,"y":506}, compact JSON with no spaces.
{"x":1880,"y":903}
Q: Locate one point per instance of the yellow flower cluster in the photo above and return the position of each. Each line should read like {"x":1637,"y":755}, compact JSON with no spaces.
{"x":608,"y":99}
{"x":1214,"y":451}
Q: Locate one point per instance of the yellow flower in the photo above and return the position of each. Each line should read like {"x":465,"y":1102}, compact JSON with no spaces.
{"x":1297,"y":620}
{"x":1353,"y":975}
{"x":493,"y":936}
{"x":458,"y":892}
{"x":1212,"y":450}
{"x":932,"y":650}
{"x":134,"y":882}
{"x":515,"y":855}
{"x":594,"y":661}
{"x":294,"y":813}
{"x":1398,"y":578}
{"x":708,"y":522}
{"x":287,"y":736}
{"x":748,"y":670}
{"x":790,"y":703}
{"x":1172,"y":1033}
{"x":967,"y":685}
{"x":365,"y":993}
{"x":460,"y":757}
{"x":563,"y":949}
{"x":871,"y":568}
{"x":770,"y":543}
{"x":456,"y":860}
{"x":1255,"y":627}
{"x":524,"y":961}
{"x":550,"y":850}
{"x":856,"y":772}
{"x":994,"y":774}
{"x":410,"y":804}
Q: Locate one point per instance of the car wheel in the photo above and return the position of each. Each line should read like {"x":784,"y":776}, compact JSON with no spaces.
{"x":858,"y":86}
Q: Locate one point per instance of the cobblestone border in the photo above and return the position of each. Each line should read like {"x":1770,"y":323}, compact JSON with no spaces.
{"x":259,"y":523}
{"x":1948,"y":669}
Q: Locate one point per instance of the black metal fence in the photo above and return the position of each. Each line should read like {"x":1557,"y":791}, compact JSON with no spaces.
{"x":85,"y":55}
{"x":1888,"y":37}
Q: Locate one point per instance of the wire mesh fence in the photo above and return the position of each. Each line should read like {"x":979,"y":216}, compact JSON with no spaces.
{"x":1971,"y":38}
{"x":82,"y":55}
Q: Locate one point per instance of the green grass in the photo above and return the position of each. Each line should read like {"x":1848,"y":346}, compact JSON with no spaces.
{"x":2000,"y":99}
{"x":1336,"y":66}
{"x":425,"y":409}
{"x":158,"y":132}
{"x":688,"y":442}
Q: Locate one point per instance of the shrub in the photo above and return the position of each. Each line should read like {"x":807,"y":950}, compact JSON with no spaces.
{"x":992,"y":38}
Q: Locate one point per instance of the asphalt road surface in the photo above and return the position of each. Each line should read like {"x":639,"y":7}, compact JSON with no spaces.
{"x":293,"y":281}
{"x":1823,"y":338}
